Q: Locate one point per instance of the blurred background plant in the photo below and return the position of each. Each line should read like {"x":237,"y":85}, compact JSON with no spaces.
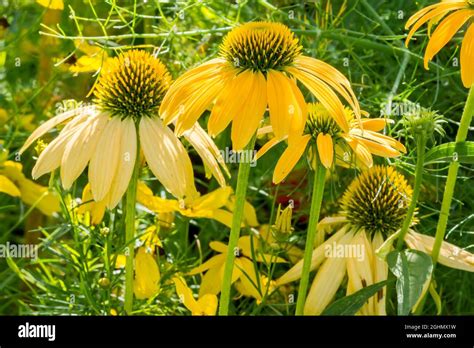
{"x":50,"y":55}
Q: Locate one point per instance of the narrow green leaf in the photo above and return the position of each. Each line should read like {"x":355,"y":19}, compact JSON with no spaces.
{"x":449,"y":152}
{"x":412,"y":268}
{"x":349,"y":305}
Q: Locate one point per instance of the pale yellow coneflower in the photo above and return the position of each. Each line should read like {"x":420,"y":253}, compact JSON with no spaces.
{"x":333,"y":144}
{"x":373,"y":208}
{"x":453,"y":15}
{"x":258,"y":65}
{"x":106,"y":135}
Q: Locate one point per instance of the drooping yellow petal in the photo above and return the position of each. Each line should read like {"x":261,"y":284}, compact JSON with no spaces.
{"x":424,"y":15}
{"x":375,"y":124}
{"x":126,"y":163}
{"x":211,"y":282}
{"x":147,"y":275}
{"x":80,"y":148}
{"x":167,"y":158}
{"x":207,"y":305}
{"x":95,"y":209}
{"x":267,"y":146}
{"x":213,"y":200}
{"x":104,"y":160}
{"x":324,"y":94}
{"x":361,"y":151}
{"x":467,"y":58}
{"x":251,"y":109}
{"x":185,"y":294}
{"x":189,"y":86}
{"x":444,"y":32}
{"x":286,"y":104}
{"x":290,"y":157}
{"x":248,"y":282}
{"x":331,"y":76}
{"x":213,"y":262}
{"x":325,"y":149}
{"x":8,"y":187}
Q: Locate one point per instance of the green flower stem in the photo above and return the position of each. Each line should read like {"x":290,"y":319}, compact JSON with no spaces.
{"x":466,"y":119}
{"x":240,"y":194}
{"x":420,"y":153}
{"x":130,"y":203}
{"x":316,"y":199}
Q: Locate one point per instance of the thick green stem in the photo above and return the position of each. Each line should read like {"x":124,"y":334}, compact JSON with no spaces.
{"x":130,"y":202}
{"x":240,"y":194}
{"x":420,"y":153}
{"x":466,"y":119}
{"x":316,"y":199}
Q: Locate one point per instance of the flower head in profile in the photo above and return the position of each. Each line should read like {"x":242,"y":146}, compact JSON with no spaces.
{"x":449,"y":16}
{"x":258,"y":65}
{"x":247,"y":280}
{"x":334,"y":145}
{"x":124,"y":117}
{"x":373,"y":210}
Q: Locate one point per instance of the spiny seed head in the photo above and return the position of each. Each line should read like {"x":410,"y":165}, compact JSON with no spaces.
{"x":320,"y":121}
{"x":377,"y":200}
{"x":424,"y":121}
{"x":261,"y":46}
{"x":132,"y":84}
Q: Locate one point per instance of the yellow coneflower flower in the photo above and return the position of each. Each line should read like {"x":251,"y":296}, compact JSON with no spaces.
{"x":373,"y":208}
{"x":205,"y":305}
{"x":326,"y":137}
{"x":258,"y":65}
{"x":460,"y":12}
{"x":244,"y":273}
{"x":104,"y":136}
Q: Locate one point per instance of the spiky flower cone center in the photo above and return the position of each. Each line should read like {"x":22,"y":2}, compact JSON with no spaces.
{"x":260,"y":46}
{"x":377,"y":200}
{"x":320,"y":121}
{"x":132,"y":84}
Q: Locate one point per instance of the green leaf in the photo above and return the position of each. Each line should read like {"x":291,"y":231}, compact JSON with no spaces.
{"x":349,"y":305}
{"x":412,"y":268}
{"x":462,"y":152}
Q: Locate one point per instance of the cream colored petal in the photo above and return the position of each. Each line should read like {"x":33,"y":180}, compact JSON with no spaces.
{"x":450,"y":255}
{"x":167,"y":158}
{"x":50,"y":158}
{"x":80,"y":148}
{"x":327,"y":281}
{"x":104,"y":160}
{"x":208,"y":151}
{"x":45,"y":127}
{"x":126,"y":163}
{"x":318,"y":256}
{"x":380,"y":274}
